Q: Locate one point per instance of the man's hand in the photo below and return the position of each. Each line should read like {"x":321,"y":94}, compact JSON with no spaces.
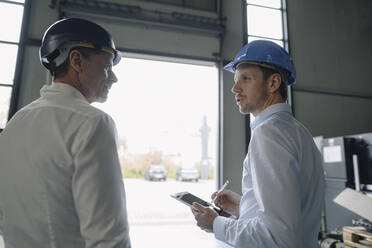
{"x":227,"y":200}
{"x":204,"y":217}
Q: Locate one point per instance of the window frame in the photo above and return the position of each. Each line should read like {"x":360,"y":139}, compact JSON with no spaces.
{"x":20,"y":54}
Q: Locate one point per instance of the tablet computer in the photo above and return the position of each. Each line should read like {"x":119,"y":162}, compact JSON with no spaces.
{"x":188,"y":198}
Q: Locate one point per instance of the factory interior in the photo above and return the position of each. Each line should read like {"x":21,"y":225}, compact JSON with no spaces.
{"x":173,"y":104}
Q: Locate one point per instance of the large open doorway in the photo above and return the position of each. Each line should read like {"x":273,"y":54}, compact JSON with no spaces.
{"x":166,"y":115}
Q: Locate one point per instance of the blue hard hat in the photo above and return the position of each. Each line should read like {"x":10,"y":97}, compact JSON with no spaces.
{"x":266,"y":53}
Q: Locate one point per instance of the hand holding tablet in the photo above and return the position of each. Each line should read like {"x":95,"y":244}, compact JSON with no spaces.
{"x":188,"y":198}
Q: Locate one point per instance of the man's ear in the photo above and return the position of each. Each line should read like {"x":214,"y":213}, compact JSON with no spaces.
{"x":274,"y":82}
{"x":75,"y":59}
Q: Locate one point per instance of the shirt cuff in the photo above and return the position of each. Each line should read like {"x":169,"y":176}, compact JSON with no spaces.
{"x":219,"y":226}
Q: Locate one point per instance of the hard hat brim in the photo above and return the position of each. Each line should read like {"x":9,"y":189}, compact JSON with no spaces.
{"x":230,"y":67}
{"x":117,"y":58}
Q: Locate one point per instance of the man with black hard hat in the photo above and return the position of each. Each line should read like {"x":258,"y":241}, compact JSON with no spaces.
{"x":282,"y":183}
{"x":60,"y":178}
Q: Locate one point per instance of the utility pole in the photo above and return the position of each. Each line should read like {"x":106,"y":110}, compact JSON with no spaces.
{"x":204,"y":152}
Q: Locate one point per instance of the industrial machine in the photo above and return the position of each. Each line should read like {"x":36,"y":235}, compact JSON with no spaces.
{"x":347,"y":162}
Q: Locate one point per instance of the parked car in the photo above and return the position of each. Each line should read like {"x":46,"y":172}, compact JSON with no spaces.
{"x":156,"y":172}
{"x":187,"y":174}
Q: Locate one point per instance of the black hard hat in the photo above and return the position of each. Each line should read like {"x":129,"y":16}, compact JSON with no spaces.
{"x":65,"y":34}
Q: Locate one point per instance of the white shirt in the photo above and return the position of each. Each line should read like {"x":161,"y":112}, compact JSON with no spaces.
{"x":60,"y":178}
{"x":282,"y":185}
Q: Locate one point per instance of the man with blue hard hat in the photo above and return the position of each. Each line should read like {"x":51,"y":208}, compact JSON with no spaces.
{"x":60,"y":178}
{"x":282,"y":182}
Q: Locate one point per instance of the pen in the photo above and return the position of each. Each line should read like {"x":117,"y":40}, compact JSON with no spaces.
{"x":220,"y":190}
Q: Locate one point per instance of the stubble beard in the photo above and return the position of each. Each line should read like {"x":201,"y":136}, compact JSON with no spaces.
{"x":101,"y":98}
{"x":102,"y":94}
{"x":244,"y":111}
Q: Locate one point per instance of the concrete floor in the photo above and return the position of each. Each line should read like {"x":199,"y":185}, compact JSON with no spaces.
{"x":158,"y":220}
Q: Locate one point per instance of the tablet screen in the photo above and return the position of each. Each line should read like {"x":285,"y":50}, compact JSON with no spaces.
{"x":190,"y":198}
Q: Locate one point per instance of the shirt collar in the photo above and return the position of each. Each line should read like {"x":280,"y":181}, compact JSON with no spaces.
{"x":63,"y":88}
{"x":267,"y":112}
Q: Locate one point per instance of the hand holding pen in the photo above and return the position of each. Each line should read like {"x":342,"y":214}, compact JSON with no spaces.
{"x":227,"y":200}
{"x":219,"y":191}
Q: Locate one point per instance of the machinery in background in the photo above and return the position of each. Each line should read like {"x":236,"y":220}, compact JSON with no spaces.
{"x":331,"y":240}
{"x":347,"y":162}
{"x":359,"y":235}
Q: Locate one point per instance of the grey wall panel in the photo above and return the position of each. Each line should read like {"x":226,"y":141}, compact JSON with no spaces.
{"x":233,"y":123}
{"x":233,"y":40}
{"x":233,"y":136}
{"x":33,"y":78}
{"x":41,"y":17}
{"x":151,"y":39}
{"x":331,"y":44}
{"x":332,"y":116}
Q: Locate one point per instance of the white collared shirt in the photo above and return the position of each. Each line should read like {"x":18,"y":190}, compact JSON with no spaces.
{"x":282,"y":186}
{"x":60,"y":178}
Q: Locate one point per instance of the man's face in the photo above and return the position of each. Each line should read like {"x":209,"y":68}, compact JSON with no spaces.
{"x":97,"y":76}
{"x":250,"y":89}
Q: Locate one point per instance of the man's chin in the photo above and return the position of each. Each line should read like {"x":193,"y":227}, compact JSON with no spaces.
{"x":244,"y":111}
{"x":101,"y":99}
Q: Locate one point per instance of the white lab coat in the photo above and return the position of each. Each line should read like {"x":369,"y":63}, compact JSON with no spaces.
{"x":60,"y":178}
{"x":282,"y":185}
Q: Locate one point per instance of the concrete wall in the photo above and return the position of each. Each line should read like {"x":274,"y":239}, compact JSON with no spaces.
{"x":330,"y":42}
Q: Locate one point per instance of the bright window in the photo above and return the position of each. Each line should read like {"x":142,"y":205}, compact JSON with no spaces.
{"x":10,"y":21}
{"x":267,"y":3}
{"x":7,"y":66}
{"x":11,"y":14}
{"x":264,"y":22}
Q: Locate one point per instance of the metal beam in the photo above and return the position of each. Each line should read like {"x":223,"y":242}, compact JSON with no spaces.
{"x":220,"y":176}
{"x":135,"y":15}
{"x":187,"y":4}
{"x":331,"y":93}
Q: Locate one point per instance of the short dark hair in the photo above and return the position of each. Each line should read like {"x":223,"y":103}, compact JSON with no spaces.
{"x":267,"y":72}
{"x":62,"y":70}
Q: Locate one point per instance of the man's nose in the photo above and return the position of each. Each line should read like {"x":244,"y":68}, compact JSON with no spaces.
{"x":235,"y":88}
{"x":113,"y":77}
